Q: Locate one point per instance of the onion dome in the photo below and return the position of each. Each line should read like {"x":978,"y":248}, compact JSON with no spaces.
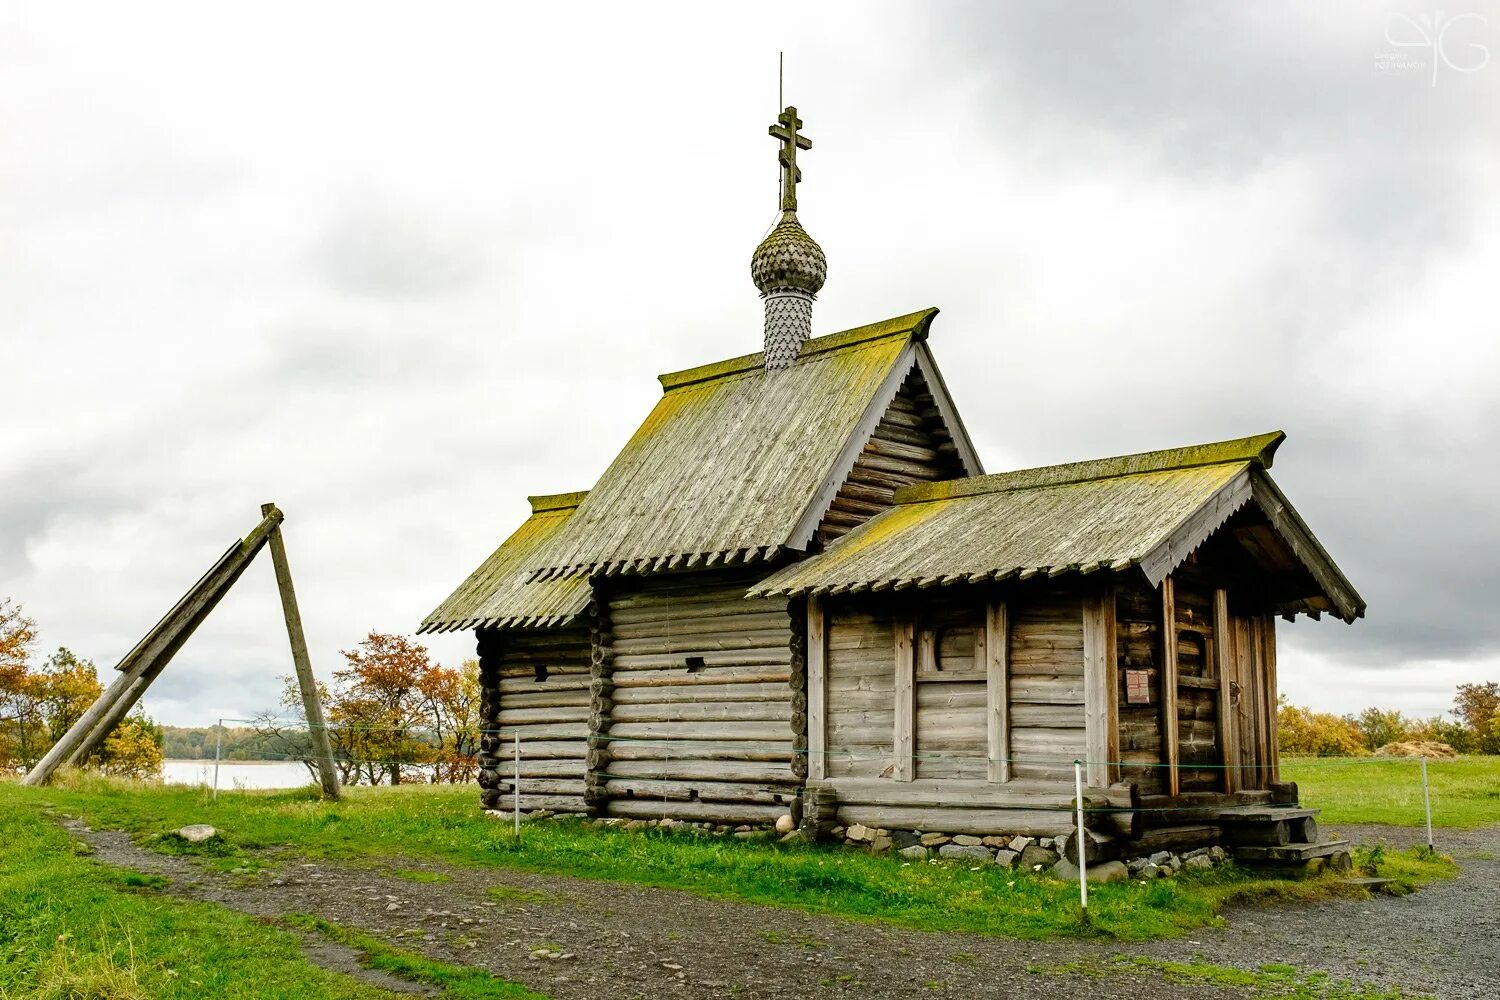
{"x":788,"y":260}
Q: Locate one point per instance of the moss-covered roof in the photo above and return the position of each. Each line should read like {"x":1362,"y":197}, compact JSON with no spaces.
{"x":1147,"y":510}
{"x":497,"y":594}
{"x":727,"y":466}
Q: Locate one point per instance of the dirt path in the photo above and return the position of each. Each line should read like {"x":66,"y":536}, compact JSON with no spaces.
{"x":628,"y":941}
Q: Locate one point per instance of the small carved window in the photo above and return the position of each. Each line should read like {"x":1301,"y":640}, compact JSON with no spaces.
{"x":541,"y":671}
{"x":694,"y":664}
{"x":950,"y":644}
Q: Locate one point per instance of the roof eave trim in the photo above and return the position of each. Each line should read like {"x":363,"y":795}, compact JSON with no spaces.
{"x":812,"y":515}
{"x":1166,"y":555}
{"x":928,"y":366}
{"x":1305,"y":545}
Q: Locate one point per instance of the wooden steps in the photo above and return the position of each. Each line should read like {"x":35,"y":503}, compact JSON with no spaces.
{"x":1290,"y":852}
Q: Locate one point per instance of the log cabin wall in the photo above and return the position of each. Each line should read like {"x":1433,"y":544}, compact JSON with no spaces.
{"x":534,"y":683}
{"x":930,"y":656}
{"x":911,"y":444}
{"x":1047,"y":686}
{"x":707,"y":701}
{"x":1138,"y":614}
{"x":1200,"y":757}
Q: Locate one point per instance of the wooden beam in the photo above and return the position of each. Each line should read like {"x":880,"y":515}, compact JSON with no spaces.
{"x":1223,"y":670}
{"x":905,"y":709}
{"x":817,"y":691}
{"x":1096,"y":714}
{"x":997,"y":690}
{"x":1268,"y":651}
{"x":312,"y":707}
{"x":150,"y":656}
{"x":1112,"y":682}
{"x":1169,"y":683}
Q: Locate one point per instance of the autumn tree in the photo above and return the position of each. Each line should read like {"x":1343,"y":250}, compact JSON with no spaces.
{"x":1323,"y":734}
{"x":393,"y":715}
{"x":132,"y":750}
{"x":17,"y":633}
{"x":1478,"y":706}
{"x":1379,"y":726}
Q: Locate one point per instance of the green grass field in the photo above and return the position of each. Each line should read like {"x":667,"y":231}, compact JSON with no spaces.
{"x":71,"y":929}
{"x":1465,"y":791}
{"x":444,"y":824}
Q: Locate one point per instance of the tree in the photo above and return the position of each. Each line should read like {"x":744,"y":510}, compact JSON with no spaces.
{"x":1303,"y":731}
{"x":1379,"y":726}
{"x":1478,"y":706}
{"x":393,"y":715}
{"x":18,"y":733}
{"x":133,"y":750}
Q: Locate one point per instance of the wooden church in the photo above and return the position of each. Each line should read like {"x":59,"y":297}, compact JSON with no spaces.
{"x":795,"y":584}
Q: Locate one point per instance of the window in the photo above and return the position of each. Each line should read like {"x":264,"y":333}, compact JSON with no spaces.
{"x":950,"y":644}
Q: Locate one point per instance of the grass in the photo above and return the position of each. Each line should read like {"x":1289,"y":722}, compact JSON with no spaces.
{"x":458,"y":982}
{"x":1465,"y":791}
{"x":443,"y":824}
{"x":71,"y":928}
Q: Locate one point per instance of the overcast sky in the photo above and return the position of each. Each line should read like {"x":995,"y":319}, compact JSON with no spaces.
{"x":396,"y":267}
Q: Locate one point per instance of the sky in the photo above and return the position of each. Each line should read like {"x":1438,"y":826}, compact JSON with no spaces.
{"x":395,"y":267}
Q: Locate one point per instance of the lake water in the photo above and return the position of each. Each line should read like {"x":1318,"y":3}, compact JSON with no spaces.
{"x":237,"y":773}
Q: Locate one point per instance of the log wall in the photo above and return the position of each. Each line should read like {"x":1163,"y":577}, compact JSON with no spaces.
{"x":707,"y":701}
{"x":1198,"y":755}
{"x":1138,"y":615}
{"x":861,"y":693}
{"x":536,"y":684}
{"x":911,"y":444}
{"x":1046,"y":686}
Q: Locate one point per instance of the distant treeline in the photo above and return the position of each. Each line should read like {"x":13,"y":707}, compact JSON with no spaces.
{"x":1474,"y":728}
{"x":239,"y":743}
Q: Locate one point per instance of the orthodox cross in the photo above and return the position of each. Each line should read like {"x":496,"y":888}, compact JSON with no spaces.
{"x":791,"y":141}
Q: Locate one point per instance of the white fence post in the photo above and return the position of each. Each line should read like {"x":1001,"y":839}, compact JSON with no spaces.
{"x":1083,"y":880}
{"x":218,"y":748}
{"x":1427,"y":802}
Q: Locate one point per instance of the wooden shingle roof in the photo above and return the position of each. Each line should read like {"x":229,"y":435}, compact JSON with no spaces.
{"x":497,"y":594}
{"x":1148,"y":511}
{"x":735,"y":464}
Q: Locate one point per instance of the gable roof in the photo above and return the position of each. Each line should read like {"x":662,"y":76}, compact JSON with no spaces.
{"x":497,"y":594}
{"x":1148,"y":510}
{"x":735,"y":464}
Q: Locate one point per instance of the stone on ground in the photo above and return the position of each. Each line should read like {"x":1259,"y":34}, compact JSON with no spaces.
{"x":784,"y":824}
{"x":916,"y":852}
{"x":1034,"y":857}
{"x":197,"y":833}
{"x":1106,"y":871}
{"x":970,"y":852}
{"x":1006,"y":859}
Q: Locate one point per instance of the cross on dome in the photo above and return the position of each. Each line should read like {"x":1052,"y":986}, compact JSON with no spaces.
{"x":791,"y":141}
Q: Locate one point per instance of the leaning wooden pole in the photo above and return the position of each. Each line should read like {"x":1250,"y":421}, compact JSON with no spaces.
{"x":146,"y":660}
{"x":311,"y":704}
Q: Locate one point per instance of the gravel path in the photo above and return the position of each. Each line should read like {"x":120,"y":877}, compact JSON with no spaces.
{"x":1443,"y":941}
{"x":629,"y":941}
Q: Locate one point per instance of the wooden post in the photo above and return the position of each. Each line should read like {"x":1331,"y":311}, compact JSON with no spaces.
{"x":1169,"y":683}
{"x":1223,"y":671}
{"x":997,"y":690}
{"x":1096,"y":688}
{"x":1273,"y":706}
{"x":150,"y":656}
{"x":817,"y":691}
{"x":904,"y":738}
{"x":311,"y":706}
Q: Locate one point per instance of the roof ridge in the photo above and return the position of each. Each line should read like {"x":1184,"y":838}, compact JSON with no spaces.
{"x":914,"y":325}
{"x":544,"y":502}
{"x":1258,"y":450}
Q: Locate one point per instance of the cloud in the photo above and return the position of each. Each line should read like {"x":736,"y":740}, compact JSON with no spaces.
{"x":1145,"y":226}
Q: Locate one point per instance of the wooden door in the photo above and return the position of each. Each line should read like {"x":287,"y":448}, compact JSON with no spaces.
{"x":1250,"y":701}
